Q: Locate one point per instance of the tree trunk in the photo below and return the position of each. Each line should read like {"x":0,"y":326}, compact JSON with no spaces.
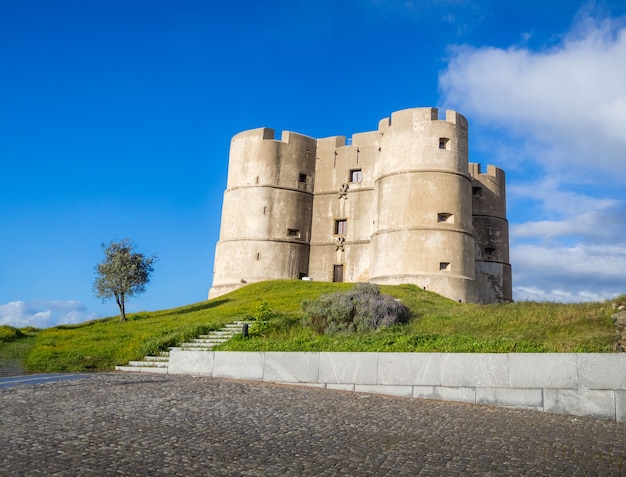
{"x":120,"y":303}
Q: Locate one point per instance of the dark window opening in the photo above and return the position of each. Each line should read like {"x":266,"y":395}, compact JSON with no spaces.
{"x":293,"y":233}
{"x":356,"y":175}
{"x":341,"y":227}
{"x":337,"y":273}
{"x":302,"y":178}
{"x":444,"y":266}
{"x":258,"y":256}
{"x":444,"y":143}
{"x":445,"y":217}
{"x":477,"y":191}
{"x":490,"y":250}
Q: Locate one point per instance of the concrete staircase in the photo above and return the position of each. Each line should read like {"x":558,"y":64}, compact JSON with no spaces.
{"x":160,"y":362}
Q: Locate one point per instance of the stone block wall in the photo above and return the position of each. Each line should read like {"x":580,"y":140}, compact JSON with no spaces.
{"x":586,"y":384}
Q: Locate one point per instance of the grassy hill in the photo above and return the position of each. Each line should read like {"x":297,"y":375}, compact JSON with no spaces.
{"x":437,"y":324}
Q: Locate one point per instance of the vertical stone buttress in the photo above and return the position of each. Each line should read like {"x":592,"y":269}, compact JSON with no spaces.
{"x":423,"y":224}
{"x":491,"y":232}
{"x":266,"y":214}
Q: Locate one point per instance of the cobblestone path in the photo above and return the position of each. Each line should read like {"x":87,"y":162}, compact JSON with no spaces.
{"x":132,"y":424}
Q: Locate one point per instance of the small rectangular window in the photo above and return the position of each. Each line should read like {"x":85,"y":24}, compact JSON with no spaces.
{"x":341,"y":227}
{"x":356,"y":175}
{"x":302,"y":178}
{"x":490,"y":250}
{"x":295,"y":233}
{"x":445,"y":217}
{"x":444,"y":143}
{"x":444,"y":266}
{"x":477,"y":191}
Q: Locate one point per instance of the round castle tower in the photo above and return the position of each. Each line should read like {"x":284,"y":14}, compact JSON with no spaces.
{"x":491,"y":232}
{"x":266,"y":214}
{"x":423,"y":225}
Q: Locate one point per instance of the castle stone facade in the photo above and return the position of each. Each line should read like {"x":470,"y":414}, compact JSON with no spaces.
{"x":401,"y":204}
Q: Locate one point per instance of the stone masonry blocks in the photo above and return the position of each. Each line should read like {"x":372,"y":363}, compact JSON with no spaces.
{"x":510,"y":397}
{"x":409,"y":368}
{"x":291,"y":367}
{"x":620,"y":406}
{"x":235,"y":365}
{"x":476,"y":370}
{"x":580,"y":402}
{"x":439,"y":393}
{"x":543,"y":370}
{"x":191,"y":362}
{"x":602,"y":371}
{"x":343,"y":368}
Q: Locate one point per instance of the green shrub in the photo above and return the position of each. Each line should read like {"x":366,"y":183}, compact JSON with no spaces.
{"x":359,"y":310}
{"x":8,"y":333}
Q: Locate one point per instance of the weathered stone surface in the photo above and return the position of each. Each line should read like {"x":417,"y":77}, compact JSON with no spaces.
{"x":474,"y":369}
{"x":620,"y":406}
{"x":343,"y":368}
{"x":445,"y":393}
{"x":511,"y":397}
{"x":422,"y":369}
{"x":291,"y":367}
{"x":580,"y":402}
{"x":238,"y":365}
{"x":543,"y":370}
{"x":191,"y":362}
{"x":403,"y":391}
{"x":602,"y":371}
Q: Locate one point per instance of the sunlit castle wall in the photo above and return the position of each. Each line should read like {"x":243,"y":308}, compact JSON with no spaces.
{"x":266,"y":214}
{"x":491,"y":233}
{"x":423,"y":224}
{"x":343,"y":208}
{"x":400,"y":204}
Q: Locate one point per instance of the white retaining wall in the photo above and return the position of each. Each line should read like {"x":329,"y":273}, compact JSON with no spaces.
{"x":578,"y":384}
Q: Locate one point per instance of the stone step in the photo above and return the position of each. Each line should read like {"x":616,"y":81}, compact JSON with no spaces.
{"x":190,"y":348}
{"x":198,"y":345}
{"x":140,"y":369}
{"x":160,"y":362}
{"x":149,"y":364}
{"x":158,"y":358}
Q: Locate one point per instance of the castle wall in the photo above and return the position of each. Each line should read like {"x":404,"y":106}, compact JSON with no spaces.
{"x":424,"y":222}
{"x":266,"y":214}
{"x":343,"y":191}
{"x":491,"y":232}
{"x":397,"y":205}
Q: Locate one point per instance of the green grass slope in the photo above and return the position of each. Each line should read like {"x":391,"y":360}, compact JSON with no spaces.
{"x":437,"y":324}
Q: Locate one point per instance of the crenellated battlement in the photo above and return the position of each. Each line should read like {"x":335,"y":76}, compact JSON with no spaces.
{"x":475,"y":170}
{"x":269,"y":134}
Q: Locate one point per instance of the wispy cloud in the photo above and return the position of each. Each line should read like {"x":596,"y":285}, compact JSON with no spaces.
{"x":555,"y":120}
{"x":43,"y":314}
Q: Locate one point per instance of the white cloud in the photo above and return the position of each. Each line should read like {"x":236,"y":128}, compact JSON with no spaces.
{"x":570,"y":99}
{"x":576,"y":273}
{"x":43,"y":314}
{"x":555,"y":119}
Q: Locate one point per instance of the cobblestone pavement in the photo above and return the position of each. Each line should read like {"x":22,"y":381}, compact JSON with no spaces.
{"x":132,"y":424}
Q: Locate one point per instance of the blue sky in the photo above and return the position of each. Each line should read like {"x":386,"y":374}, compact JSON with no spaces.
{"x":117,"y":117}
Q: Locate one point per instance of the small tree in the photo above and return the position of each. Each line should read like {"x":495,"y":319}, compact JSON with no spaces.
{"x":123,"y":273}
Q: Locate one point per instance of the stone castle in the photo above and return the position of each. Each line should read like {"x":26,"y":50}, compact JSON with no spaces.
{"x":401,"y":204}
